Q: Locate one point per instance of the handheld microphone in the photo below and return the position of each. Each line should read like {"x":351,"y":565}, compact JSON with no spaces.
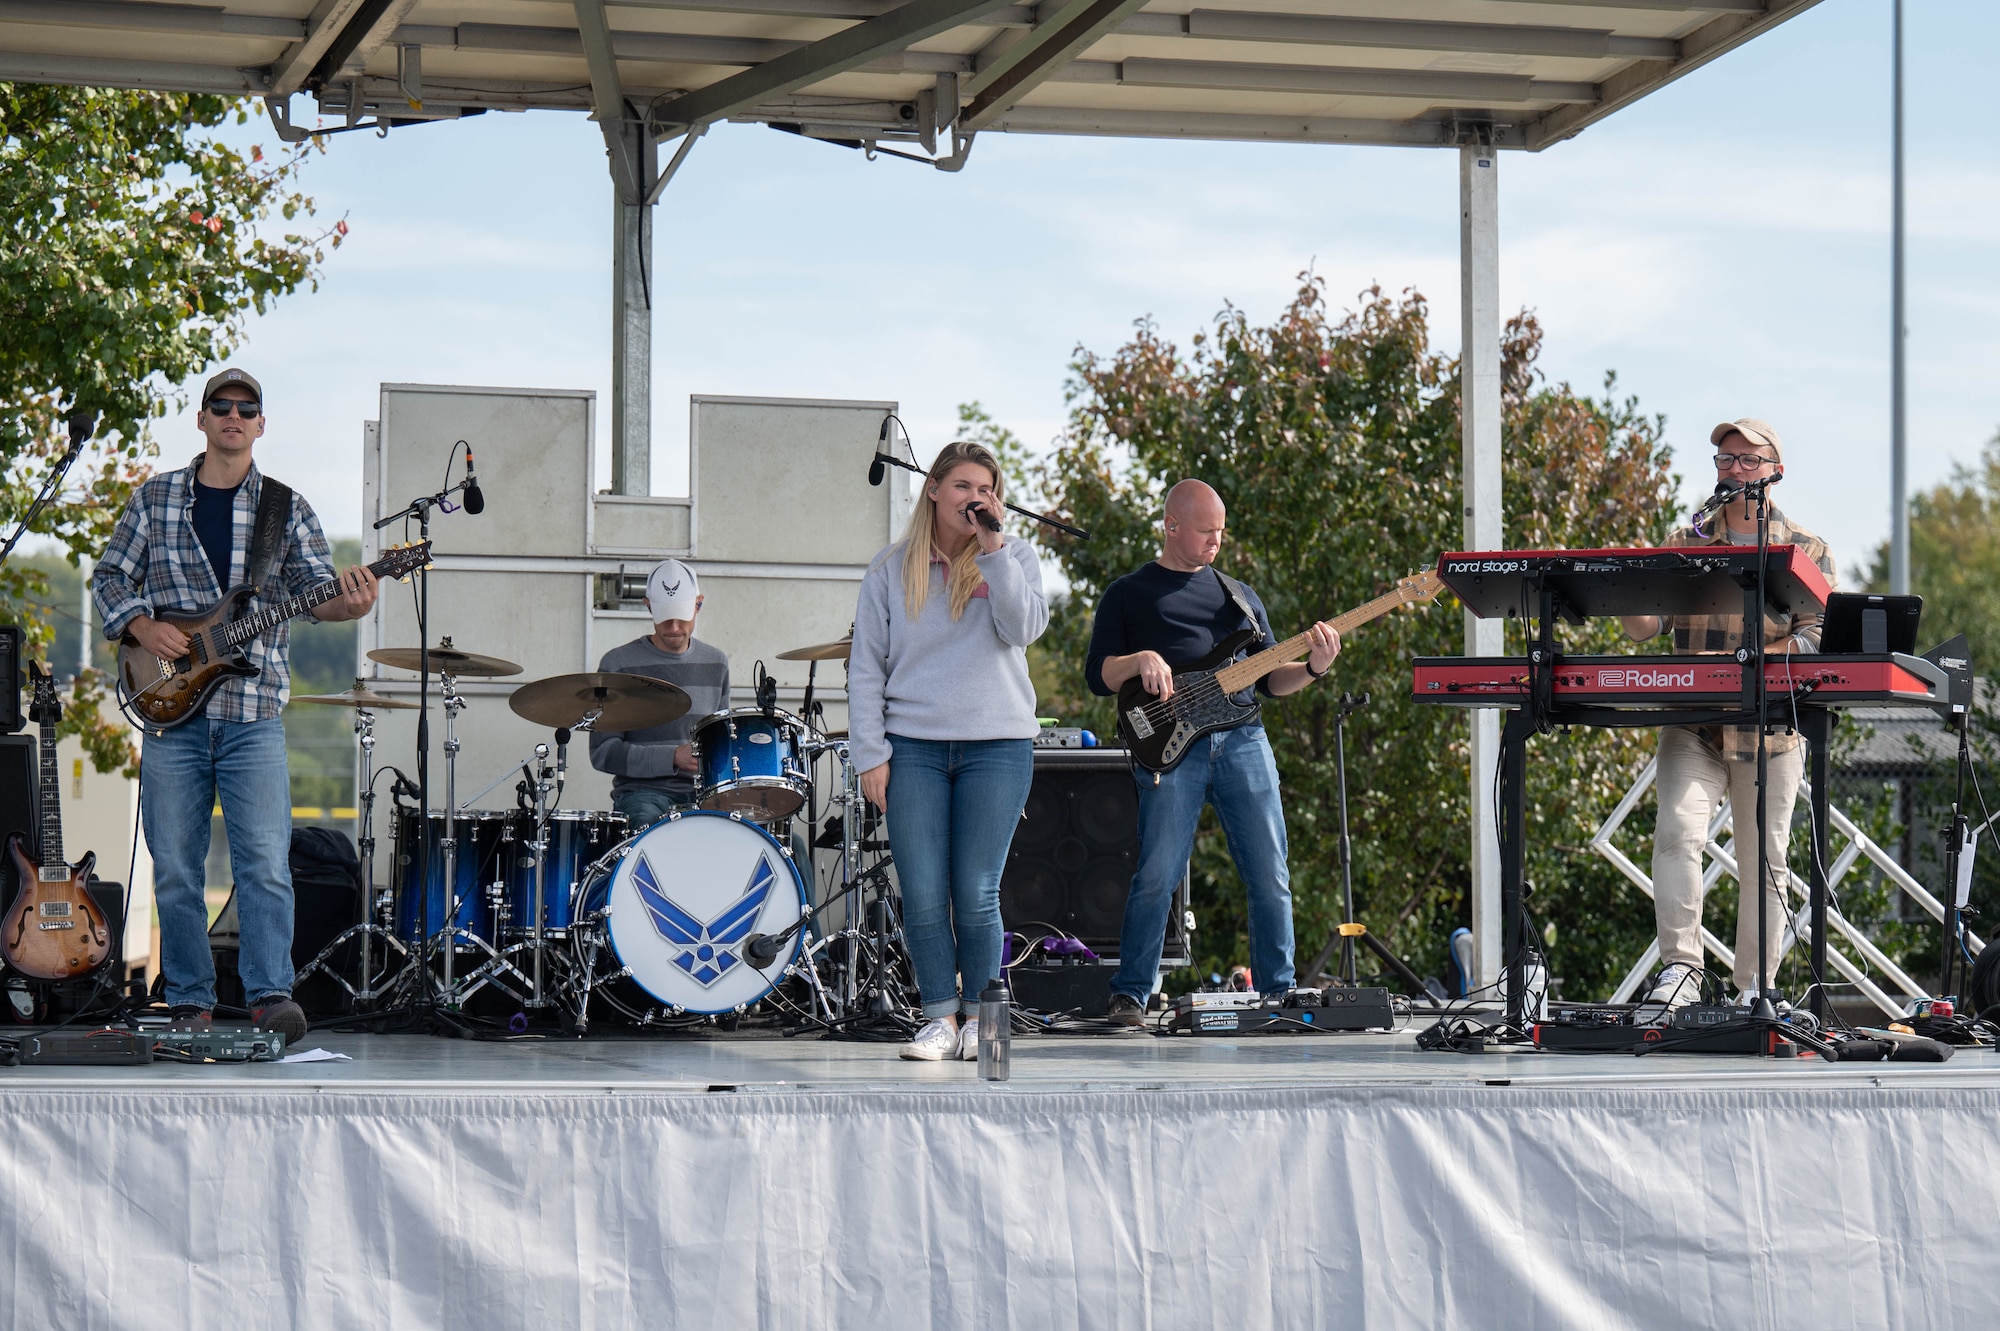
{"x":982,"y":517}
{"x":1725,"y":492}
{"x":475,"y":498}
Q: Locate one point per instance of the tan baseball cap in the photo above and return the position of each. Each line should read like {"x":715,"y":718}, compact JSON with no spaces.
{"x":230,"y":376}
{"x":1756,"y":431}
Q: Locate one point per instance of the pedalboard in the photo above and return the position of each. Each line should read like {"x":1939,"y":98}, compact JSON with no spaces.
{"x":223,"y":1044}
{"x":1296,"y":1012}
{"x":1697,"y":1028}
{"x":87,"y":1049}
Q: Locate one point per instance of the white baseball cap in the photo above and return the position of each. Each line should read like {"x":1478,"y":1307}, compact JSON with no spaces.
{"x":671,"y":591}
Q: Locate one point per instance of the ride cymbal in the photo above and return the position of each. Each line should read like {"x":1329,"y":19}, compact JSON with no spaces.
{"x":622,"y":702}
{"x":444,"y":660}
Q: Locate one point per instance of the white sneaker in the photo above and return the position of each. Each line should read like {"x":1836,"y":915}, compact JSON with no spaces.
{"x":1676,"y":985}
{"x":968,"y":1039}
{"x":937,"y":1041}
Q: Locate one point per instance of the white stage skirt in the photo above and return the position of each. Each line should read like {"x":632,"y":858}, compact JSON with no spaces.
{"x":1468,"y":1206}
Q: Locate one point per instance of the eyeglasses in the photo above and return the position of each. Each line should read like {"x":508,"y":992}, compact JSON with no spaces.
{"x":1742,"y":461}
{"x":220,"y":406}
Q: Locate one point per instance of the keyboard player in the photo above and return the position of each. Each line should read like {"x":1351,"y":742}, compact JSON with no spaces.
{"x":1700,"y":765}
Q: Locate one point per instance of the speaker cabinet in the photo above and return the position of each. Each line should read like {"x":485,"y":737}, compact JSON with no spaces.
{"x":18,"y":788}
{"x":1070,"y":867}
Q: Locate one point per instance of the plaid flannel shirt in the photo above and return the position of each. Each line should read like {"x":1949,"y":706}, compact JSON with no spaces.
{"x":1783,"y":634}
{"x":154,"y":563}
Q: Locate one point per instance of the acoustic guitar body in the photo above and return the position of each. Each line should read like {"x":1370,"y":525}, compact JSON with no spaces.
{"x":54,"y":930}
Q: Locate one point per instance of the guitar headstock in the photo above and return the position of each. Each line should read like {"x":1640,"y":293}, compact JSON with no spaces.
{"x":47,"y":706}
{"x":1420,"y":588}
{"x":398,"y":562}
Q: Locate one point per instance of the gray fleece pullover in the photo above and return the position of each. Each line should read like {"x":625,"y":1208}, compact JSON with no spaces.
{"x":933,"y":678}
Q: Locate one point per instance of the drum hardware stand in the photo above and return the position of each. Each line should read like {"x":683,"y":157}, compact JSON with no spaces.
{"x":548,"y":794}
{"x":448,"y":844}
{"x":374,"y":907}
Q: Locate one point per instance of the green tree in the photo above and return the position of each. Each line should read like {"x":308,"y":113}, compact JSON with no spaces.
{"x":1336,"y":447}
{"x":133,"y":244}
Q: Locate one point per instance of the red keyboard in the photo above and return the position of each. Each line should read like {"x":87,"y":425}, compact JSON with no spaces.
{"x":1681,"y":681}
{"x":1691,"y":580}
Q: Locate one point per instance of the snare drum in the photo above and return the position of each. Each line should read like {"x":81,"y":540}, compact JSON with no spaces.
{"x":577,"y":838}
{"x":750,"y":764}
{"x":480,"y":864}
{"x":675,"y":909}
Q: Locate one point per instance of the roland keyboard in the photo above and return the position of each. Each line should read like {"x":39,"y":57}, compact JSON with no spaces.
{"x":1669,"y":682}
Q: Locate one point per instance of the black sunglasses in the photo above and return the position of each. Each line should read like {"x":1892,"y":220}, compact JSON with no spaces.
{"x":249,"y":411}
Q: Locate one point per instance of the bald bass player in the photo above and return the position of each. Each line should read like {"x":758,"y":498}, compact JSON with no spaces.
{"x":1170,"y":615}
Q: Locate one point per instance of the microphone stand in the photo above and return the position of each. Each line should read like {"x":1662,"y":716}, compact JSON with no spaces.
{"x":1763,"y":1010}
{"x":420,"y":509}
{"x":82,"y":425}
{"x":1042,"y":518}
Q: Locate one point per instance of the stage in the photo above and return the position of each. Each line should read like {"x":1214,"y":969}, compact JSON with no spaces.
{"x":1122,"y":1181}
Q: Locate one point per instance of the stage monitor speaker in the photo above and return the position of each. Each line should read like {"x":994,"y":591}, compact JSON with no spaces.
{"x":1070,"y":867}
{"x":19,"y":785}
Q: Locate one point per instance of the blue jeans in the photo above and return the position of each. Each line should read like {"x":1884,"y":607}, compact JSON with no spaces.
{"x":1234,"y":771}
{"x":183,"y":772}
{"x":646,"y":805}
{"x":953,"y":808}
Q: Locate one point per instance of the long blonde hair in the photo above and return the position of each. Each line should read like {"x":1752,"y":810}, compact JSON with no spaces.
{"x":919,"y":541}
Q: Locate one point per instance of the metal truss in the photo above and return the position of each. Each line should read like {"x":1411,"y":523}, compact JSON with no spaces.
{"x":1721,"y":856}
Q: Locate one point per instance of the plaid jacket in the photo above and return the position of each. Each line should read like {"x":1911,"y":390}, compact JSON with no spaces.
{"x":1783,"y":634}
{"x":154,"y":563}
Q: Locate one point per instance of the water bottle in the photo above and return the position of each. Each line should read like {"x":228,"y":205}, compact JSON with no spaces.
{"x":996,"y":1031}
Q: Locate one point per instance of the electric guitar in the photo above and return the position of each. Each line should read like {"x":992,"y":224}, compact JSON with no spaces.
{"x":160,"y":695}
{"x":1159,"y":731}
{"x":53,"y":931}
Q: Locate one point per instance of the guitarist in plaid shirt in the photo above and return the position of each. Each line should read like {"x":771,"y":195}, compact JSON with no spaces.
{"x":183,"y":540}
{"x":1701,"y":765}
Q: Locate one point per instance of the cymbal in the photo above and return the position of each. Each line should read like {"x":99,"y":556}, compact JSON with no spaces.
{"x":444,"y":660}
{"x":358,"y":697}
{"x":823,"y":651}
{"x":624,"y":702}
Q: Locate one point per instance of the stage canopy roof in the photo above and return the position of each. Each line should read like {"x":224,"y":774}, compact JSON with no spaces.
{"x":1407,"y":72}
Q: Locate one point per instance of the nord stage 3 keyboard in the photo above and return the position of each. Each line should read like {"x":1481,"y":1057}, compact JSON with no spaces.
{"x":1690,"y":580}
{"x":1665,"y":682}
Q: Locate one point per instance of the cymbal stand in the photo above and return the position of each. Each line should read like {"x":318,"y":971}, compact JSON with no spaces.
{"x":453,"y":704}
{"x":376,"y":910}
{"x":548,"y":793}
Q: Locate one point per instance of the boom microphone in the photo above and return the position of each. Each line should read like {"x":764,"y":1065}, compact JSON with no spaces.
{"x":475,"y":498}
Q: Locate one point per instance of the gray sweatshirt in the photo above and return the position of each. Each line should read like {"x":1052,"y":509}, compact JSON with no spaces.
{"x":644,"y":759}
{"x":933,"y":678}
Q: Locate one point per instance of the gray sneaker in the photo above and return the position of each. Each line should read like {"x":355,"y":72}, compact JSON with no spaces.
{"x":1677,"y":985}
{"x":279,"y":1013}
{"x":1125,"y":1011}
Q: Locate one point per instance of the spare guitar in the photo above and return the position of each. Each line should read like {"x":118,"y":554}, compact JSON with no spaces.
{"x":54,"y":930}
{"x":1158,"y":732}
{"x":160,"y":695}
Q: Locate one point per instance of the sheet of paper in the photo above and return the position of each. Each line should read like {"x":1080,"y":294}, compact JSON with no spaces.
{"x":315,"y":1056}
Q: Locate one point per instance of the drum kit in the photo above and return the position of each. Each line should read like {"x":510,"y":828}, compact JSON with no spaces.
{"x":698,"y":918}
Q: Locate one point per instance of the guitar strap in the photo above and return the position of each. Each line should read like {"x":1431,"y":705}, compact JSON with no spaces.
{"x":267,"y":534}
{"x":1240,"y":597}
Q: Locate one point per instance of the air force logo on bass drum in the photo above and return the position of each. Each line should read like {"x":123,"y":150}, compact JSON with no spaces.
{"x":708,"y":948}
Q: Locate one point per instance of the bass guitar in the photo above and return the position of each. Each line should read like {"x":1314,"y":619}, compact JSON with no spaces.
{"x":160,"y":695}
{"x":1159,"y":731}
{"x":54,"y":930}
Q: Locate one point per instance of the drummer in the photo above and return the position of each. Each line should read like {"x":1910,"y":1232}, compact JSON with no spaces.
{"x":653,"y":770}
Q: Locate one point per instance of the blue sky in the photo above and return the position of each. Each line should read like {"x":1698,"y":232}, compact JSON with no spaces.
{"x":1723,"y":246}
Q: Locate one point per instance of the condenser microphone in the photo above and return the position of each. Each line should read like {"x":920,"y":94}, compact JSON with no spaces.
{"x":475,"y":498}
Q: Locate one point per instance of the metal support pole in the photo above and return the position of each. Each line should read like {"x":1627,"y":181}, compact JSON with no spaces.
{"x":1479,"y":408}
{"x":632,"y":315}
{"x":1899,"y":498}
{"x":1816,"y":723}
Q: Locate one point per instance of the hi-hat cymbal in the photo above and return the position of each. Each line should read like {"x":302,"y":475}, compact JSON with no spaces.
{"x":360,"y":696}
{"x":623,"y":702}
{"x":823,"y":651}
{"x":444,"y":660}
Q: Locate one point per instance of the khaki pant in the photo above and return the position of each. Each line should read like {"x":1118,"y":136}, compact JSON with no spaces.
{"x":1693,"y":780}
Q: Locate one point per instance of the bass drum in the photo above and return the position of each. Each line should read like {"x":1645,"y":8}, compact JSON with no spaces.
{"x":659,"y":934}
